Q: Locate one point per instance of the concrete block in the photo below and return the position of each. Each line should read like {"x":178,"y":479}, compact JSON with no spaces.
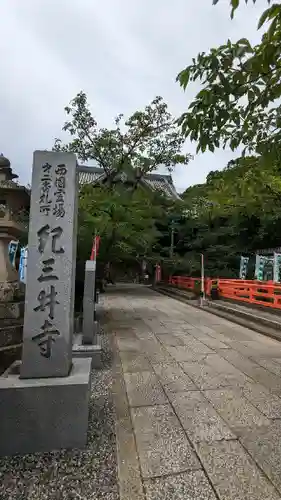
{"x":39,"y":415}
{"x":93,"y":351}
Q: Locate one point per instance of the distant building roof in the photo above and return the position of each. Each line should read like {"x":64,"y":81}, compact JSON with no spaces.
{"x":268,"y":251}
{"x":160,"y":182}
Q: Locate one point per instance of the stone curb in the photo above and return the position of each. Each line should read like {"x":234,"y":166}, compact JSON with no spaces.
{"x":129,"y":476}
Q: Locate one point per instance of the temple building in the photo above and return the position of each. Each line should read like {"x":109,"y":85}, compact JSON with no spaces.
{"x":159,"y":182}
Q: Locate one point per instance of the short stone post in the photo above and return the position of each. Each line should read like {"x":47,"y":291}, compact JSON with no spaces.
{"x":87,"y":344}
{"x":89,"y":326}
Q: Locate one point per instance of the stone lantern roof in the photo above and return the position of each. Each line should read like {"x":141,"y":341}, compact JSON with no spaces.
{"x":5,"y":168}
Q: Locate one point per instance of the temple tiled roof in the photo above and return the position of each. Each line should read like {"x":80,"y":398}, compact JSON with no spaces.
{"x":160,"y":182}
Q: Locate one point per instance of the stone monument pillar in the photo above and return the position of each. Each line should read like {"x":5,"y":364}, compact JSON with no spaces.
{"x":47,"y":406}
{"x":49,"y":310}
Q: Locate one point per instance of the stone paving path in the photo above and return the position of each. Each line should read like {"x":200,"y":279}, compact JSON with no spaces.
{"x":197,"y":402}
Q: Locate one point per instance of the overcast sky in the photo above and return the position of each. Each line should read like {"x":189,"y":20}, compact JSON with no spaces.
{"x":122,"y":53}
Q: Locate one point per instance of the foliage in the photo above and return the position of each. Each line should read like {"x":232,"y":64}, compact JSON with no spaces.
{"x":238,"y":104}
{"x":120,"y":210}
{"x":141,"y":143}
{"x":235,"y":4}
{"x":128,"y":224}
{"x":237,"y":211}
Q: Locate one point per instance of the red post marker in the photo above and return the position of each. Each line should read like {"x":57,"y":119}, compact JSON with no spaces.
{"x":95,"y":248}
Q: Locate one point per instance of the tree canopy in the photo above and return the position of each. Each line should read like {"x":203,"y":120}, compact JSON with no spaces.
{"x":236,"y":211}
{"x":126,"y":215}
{"x":126,"y":224}
{"x":238,"y":104}
{"x":141,"y":143}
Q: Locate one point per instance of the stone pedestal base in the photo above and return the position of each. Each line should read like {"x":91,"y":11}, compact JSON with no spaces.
{"x":93,"y":351}
{"x":38,"y":415}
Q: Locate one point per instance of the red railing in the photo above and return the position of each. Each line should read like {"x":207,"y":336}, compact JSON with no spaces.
{"x":265,"y":293}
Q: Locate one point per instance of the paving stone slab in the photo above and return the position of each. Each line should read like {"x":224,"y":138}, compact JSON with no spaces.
{"x":214,"y":343}
{"x":156,"y":352}
{"x":173,"y":323}
{"x":173,"y":378}
{"x":220,"y":363}
{"x":144,"y":336}
{"x":134,"y":362}
{"x":235,"y":409}
{"x":267,"y":403}
{"x":276,"y":360}
{"x":236,"y":335}
{"x":128,"y":344}
{"x":162,"y":445}
{"x":170,"y":340}
{"x":252,"y":348}
{"x":129,"y":477}
{"x":207,"y":330}
{"x":253,"y":370}
{"x":264,"y":340}
{"x":185,"y":486}
{"x":143,"y":389}
{"x":195,"y":333}
{"x":207,"y":377}
{"x":124,"y":333}
{"x":264,"y":445}
{"x":241,"y":362}
{"x":152,"y":345}
{"x":130,"y":484}
{"x":199,"y":419}
{"x":157,"y":327}
{"x":268,"y":379}
{"x":184,"y":353}
{"x":233,"y":473}
{"x":269,"y":364}
{"x":196,"y":346}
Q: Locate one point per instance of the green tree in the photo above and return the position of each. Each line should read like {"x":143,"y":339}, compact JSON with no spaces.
{"x":238,"y":104}
{"x":237,"y":211}
{"x":137,"y":145}
{"x":121,"y":210}
{"x":126,"y":223}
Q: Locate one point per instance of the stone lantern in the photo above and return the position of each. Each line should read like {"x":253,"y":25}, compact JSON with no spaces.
{"x":14,"y":199}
